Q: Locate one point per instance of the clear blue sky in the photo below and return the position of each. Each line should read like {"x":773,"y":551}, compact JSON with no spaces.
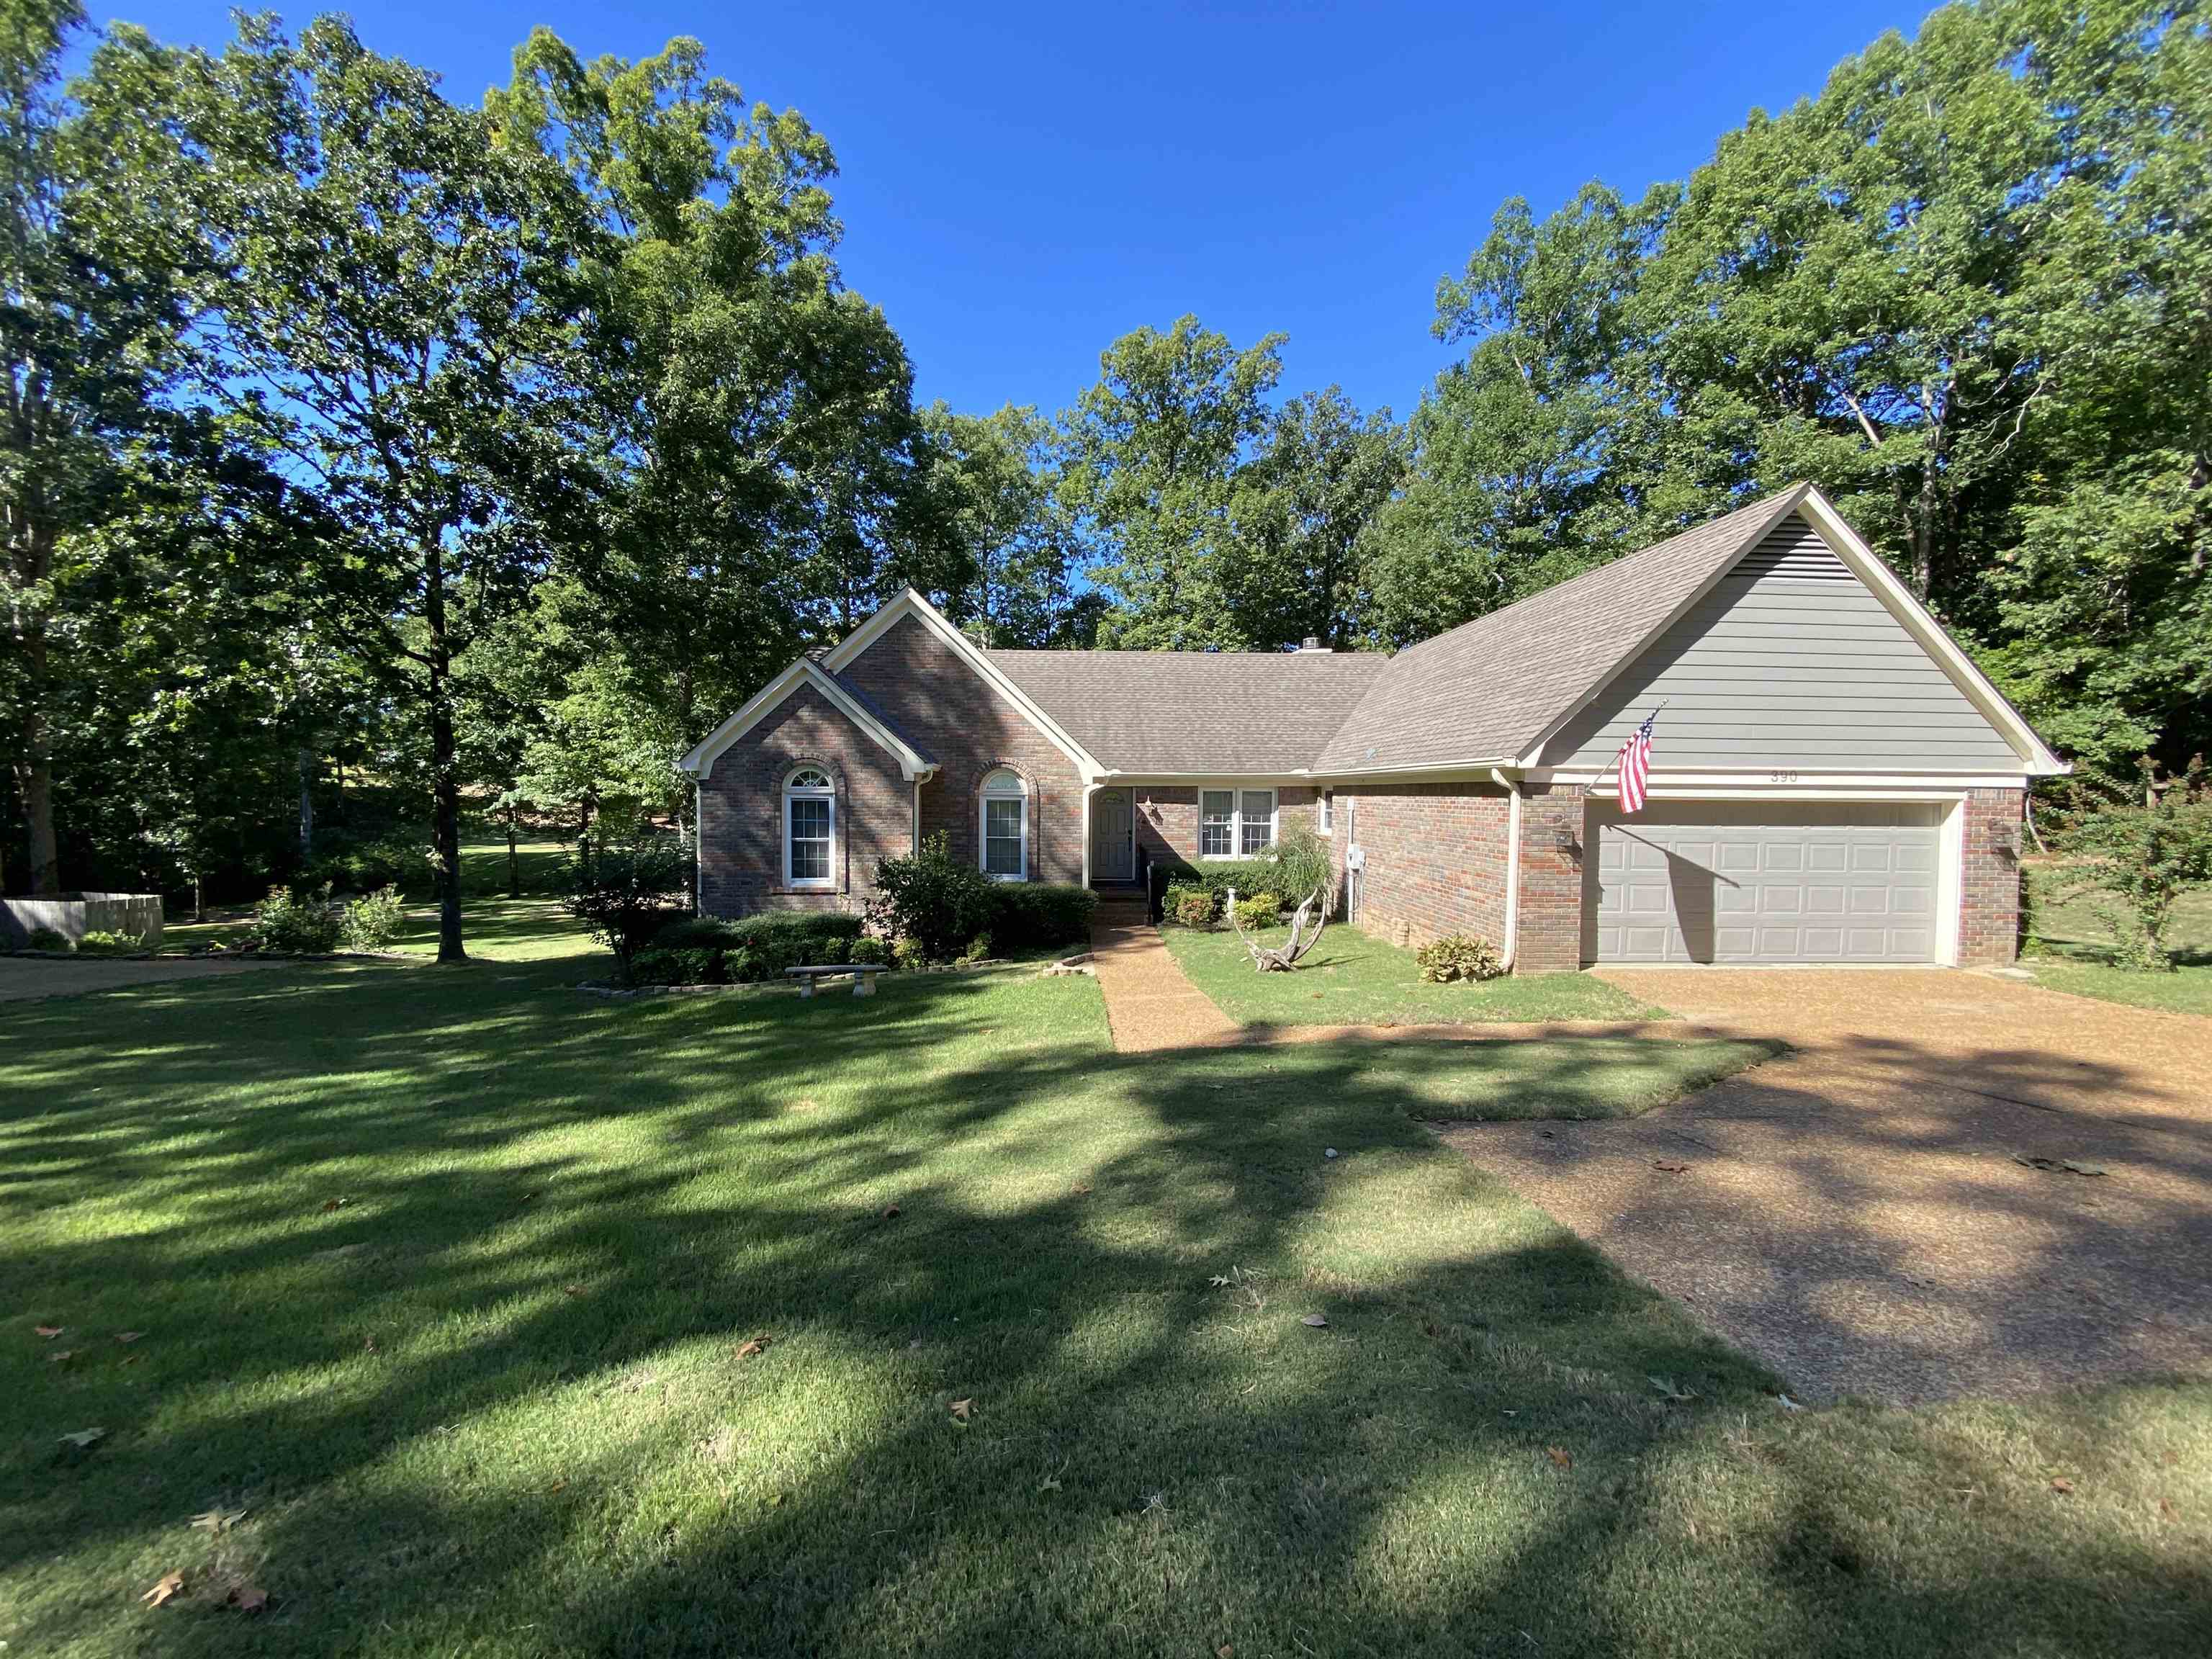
{"x":1023,"y":183}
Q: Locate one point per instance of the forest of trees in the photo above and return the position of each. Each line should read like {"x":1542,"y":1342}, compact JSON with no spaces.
{"x":373,"y":458}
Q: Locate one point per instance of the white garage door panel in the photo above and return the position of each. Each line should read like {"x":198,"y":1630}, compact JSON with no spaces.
{"x":1795,"y":882}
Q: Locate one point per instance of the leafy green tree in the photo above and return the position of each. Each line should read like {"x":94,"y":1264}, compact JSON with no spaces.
{"x":390,"y":304}
{"x":1295,"y":566}
{"x":2133,"y":847}
{"x":1152,"y":457}
{"x":997,"y":484}
{"x":763,"y":472}
{"x":1517,"y":452}
{"x":88,"y":324}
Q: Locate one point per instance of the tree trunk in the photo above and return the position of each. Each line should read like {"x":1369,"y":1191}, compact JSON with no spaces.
{"x":306,"y":806}
{"x":513,"y":860}
{"x":34,"y":770}
{"x":199,"y":897}
{"x":444,"y":764}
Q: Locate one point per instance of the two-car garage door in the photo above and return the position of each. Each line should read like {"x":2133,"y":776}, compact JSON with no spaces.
{"x":1689,"y":881}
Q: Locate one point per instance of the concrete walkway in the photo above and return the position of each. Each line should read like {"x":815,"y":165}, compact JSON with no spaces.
{"x":1150,"y":1003}
{"x":1887,"y":1211}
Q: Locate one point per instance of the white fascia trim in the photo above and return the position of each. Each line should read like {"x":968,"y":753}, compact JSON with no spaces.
{"x":911,"y":603}
{"x":1783,"y":781}
{"x":700,"y":763}
{"x":1477,"y":770}
{"x":1932,"y":636}
{"x":1791,"y":501}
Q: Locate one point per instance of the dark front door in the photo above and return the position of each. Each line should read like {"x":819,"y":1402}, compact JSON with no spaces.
{"x":1113,"y":855}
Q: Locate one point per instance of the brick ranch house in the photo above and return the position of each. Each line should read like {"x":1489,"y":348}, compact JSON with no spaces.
{"x":1832,"y":780}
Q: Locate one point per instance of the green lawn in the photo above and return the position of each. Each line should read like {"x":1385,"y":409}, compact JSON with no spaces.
{"x":439,"y":1278}
{"x":2077,"y":952}
{"x":1352,"y":979}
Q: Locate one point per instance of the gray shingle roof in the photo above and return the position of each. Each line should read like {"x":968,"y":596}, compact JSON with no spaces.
{"x":1225,"y":712}
{"x":1484,"y":690}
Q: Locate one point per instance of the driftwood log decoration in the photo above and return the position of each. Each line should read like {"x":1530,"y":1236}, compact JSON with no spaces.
{"x":1283,"y":958}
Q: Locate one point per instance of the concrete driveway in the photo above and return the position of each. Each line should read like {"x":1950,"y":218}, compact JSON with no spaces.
{"x":1859,"y":1213}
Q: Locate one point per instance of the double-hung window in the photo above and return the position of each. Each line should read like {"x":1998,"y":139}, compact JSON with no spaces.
{"x":1235,"y":823}
{"x":1329,"y":811}
{"x":810,"y":829}
{"x":1004,"y":827}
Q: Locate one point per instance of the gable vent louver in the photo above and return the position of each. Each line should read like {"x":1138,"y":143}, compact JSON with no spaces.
{"x":1792,"y":553}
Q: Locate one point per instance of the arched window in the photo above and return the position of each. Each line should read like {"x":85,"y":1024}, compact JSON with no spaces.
{"x":1003,"y":823}
{"x":810,"y":829}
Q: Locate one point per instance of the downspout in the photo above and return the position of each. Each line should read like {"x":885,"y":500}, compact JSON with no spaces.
{"x":698,"y":849}
{"x":1512,"y":788}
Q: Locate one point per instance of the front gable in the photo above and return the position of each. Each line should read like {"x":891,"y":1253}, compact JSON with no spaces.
{"x":1791,"y":659}
{"x":909,"y":659}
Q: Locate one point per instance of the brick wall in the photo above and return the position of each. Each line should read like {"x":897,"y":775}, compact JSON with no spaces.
{"x":741,"y":810}
{"x":1167,"y":818}
{"x":942,"y":706}
{"x":1550,"y":926}
{"x":1988,"y":879}
{"x":1436,"y":859}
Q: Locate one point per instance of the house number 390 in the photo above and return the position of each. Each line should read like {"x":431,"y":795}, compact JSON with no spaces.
{"x":1781,"y":777}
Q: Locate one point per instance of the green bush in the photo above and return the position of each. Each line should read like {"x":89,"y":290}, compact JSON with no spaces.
{"x":979,"y":949}
{"x":2133,"y":847}
{"x":1459,"y":956}
{"x":373,"y":921}
{"x":99,"y":942}
{"x":933,"y":898}
{"x":1261,"y":910}
{"x":1192,"y":906}
{"x":1026,"y":916}
{"x":48,"y":938}
{"x":1289,"y":871}
{"x":657,"y":966}
{"x":308,"y":923}
{"x":627,"y":892}
{"x":906,"y":955}
{"x":757,"y":948}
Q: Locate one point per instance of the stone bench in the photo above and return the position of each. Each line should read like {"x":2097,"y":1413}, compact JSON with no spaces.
{"x":864,"y":975}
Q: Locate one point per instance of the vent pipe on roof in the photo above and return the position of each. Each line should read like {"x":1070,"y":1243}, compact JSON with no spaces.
{"x":1311,"y":645}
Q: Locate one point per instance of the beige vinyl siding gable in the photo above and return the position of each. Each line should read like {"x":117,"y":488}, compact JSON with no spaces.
{"x":1789,"y":661}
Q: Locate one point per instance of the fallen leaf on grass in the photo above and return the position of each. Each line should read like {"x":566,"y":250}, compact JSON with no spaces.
{"x":1787,"y":1403}
{"x":1561,"y":1455}
{"x":753,"y":1348}
{"x":2059,"y":1483}
{"x":572,"y":1290}
{"x":890,"y":1211}
{"x":1666,"y":1386}
{"x":964,"y":1409}
{"x":82,"y":1438}
{"x":218,"y":1520}
{"x":167,"y":1588}
{"x":57,"y":1358}
{"x":249,"y":1598}
{"x":129,"y":1336}
{"x":1319,"y":1321}
{"x":2166,"y":1509}
{"x":1670,"y":1165}
{"x":330,"y":1204}
{"x":50,"y":1331}
{"x":369,"y":1345}
{"x":1082,"y":1191}
{"x":1050,"y":1483}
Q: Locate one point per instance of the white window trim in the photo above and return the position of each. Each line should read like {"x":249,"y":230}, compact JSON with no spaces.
{"x":1237,"y":820}
{"x":1324,"y":812}
{"x":809,"y":884}
{"x":984,"y":797}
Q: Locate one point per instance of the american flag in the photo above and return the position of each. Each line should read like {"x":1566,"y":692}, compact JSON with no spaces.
{"x":1635,"y":763}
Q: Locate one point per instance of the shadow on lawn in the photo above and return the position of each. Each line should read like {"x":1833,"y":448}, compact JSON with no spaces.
{"x":1380,"y":1486}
